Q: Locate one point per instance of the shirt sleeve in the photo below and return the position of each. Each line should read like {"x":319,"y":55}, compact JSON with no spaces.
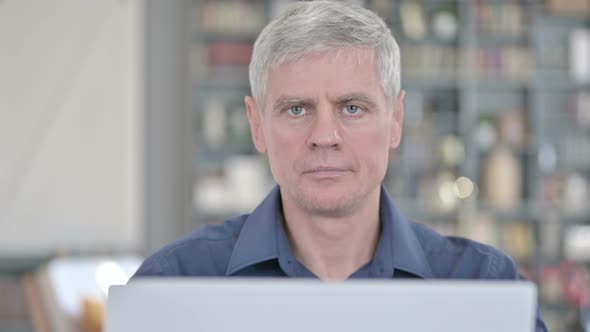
{"x":155,"y":266}
{"x":503,"y":267}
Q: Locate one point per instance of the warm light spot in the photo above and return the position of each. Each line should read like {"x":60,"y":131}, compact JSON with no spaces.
{"x":446,"y":195}
{"x":463,"y":187}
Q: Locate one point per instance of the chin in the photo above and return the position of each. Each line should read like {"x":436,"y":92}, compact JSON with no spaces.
{"x":328,"y":204}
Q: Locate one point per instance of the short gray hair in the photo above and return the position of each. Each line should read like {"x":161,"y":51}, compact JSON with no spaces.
{"x":307,"y":28}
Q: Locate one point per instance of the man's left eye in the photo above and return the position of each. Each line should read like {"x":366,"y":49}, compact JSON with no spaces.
{"x":352,"y":109}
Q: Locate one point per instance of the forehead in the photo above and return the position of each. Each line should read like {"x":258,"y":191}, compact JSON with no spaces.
{"x":333,"y":73}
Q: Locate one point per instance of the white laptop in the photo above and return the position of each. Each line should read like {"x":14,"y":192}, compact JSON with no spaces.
{"x":230,"y":305}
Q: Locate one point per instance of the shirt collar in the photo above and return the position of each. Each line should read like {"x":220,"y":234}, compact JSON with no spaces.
{"x":406,"y":252}
{"x":257,"y":241}
{"x":398,"y":248}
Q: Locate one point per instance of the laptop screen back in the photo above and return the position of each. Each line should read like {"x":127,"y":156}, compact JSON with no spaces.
{"x":229,"y":305}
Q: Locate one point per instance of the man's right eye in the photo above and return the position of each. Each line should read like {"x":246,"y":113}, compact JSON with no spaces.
{"x":296,"y":110}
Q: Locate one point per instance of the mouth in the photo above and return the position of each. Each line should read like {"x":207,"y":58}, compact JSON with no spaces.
{"x":325,"y":172}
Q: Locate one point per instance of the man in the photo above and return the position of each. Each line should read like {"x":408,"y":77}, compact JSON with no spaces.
{"x":327,"y":108}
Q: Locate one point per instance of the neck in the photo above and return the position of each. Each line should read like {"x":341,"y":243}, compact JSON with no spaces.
{"x":333,"y":248}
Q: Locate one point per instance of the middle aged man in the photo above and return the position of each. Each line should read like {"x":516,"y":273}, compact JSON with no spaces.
{"x":327,"y":108}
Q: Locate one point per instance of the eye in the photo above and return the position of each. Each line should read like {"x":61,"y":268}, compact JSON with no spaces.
{"x":352,"y":109}
{"x":296,"y":110}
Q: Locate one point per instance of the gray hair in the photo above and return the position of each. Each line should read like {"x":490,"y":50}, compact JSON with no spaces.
{"x":307,"y":28}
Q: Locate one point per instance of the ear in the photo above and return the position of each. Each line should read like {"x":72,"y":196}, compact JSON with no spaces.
{"x":397,"y":122}
{"x":255,"y":120}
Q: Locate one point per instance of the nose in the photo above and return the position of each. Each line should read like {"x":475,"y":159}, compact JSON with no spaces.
{"x":325,"y":130}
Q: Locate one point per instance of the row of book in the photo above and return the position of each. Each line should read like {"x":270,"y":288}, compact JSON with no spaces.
{"x":431,"y":61}
{"x":243,"y":18}
{"x":501,"y":19}
{"x":576,"y":8}
{"x":513,"y":63}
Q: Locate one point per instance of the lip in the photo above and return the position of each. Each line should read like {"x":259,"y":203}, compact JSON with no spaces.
{"x":325,"y":172}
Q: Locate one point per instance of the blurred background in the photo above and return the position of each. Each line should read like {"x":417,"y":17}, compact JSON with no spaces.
{"x":122,"y":126}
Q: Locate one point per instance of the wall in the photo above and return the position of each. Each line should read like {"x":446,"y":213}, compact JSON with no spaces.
{"x":70,"y":126}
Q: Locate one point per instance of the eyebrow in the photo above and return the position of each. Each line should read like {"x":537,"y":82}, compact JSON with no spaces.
{"x":285,"y":101}
{"x":355,"y":97}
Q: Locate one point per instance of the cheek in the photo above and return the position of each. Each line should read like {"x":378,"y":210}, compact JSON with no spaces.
{"x":282,"y":146}
{"x":372,"y":148}
{"x":279,"y":142}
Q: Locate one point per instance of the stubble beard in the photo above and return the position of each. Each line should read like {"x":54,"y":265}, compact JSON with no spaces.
{"x":334,"y":207}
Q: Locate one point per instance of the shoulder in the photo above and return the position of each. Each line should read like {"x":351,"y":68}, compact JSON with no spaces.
{"x":458,"y":257}
{"x":204,"y":252}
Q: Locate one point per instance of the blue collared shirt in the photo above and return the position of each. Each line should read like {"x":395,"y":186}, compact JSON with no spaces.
{"x":256,"y":245}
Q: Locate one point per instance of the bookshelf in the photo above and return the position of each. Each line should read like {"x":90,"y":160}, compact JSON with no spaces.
{"x":496,"y":142}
